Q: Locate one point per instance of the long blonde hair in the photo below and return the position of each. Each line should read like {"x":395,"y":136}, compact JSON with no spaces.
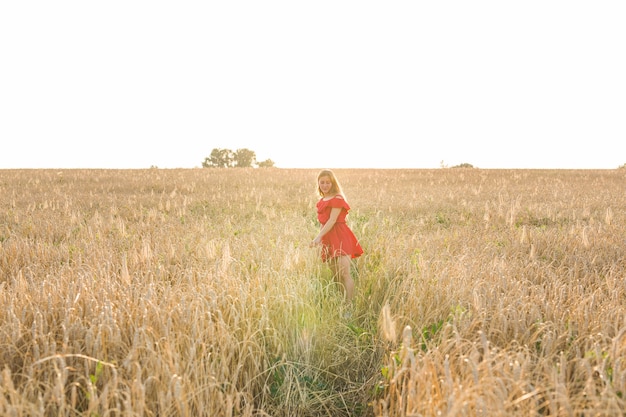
{"x":335,"y":188}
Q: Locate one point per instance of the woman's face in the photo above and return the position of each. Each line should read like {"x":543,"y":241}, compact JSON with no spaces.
{"x":325,"y":184}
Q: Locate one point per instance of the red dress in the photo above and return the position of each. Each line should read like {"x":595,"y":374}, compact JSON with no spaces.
{"x":339,"y":241}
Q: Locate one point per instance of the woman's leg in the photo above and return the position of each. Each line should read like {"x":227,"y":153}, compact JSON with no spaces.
{"x":340,"y":267}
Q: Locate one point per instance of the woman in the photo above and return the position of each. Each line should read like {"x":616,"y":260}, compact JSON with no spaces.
{"x":339,"y":244}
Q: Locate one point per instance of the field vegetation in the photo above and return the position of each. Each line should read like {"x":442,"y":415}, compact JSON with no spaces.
{"x":195,"y":293}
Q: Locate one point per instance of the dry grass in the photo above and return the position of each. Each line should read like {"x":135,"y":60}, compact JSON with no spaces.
{"x":194,"y":292}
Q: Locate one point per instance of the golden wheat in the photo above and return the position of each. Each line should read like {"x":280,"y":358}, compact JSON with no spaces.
{"x":194,"y":292}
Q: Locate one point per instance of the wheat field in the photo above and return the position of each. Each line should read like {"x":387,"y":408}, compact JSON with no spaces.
{"x":195,"y":293}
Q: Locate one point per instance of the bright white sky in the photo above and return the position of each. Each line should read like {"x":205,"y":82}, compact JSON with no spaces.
{"x":338,"y":84}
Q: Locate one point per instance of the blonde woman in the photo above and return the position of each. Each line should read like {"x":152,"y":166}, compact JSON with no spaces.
{"x":338,"y":242}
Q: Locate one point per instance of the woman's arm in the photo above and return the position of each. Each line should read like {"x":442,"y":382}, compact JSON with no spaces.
{"x":334,"y":213}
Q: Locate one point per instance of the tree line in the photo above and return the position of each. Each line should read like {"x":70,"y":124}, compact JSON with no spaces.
{"x":241,"y":158}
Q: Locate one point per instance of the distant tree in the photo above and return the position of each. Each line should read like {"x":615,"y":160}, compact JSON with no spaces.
{"x":241,"y":158}
{"x":464,"y":165}
{"x":268,"y":163}
{"x":244,"y":158}
{"x":219,"y":158}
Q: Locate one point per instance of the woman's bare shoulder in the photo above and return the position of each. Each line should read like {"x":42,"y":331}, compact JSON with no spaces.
{"x":331,"y":197}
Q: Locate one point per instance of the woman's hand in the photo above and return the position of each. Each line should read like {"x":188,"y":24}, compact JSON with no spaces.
{"x":334,"y":213}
